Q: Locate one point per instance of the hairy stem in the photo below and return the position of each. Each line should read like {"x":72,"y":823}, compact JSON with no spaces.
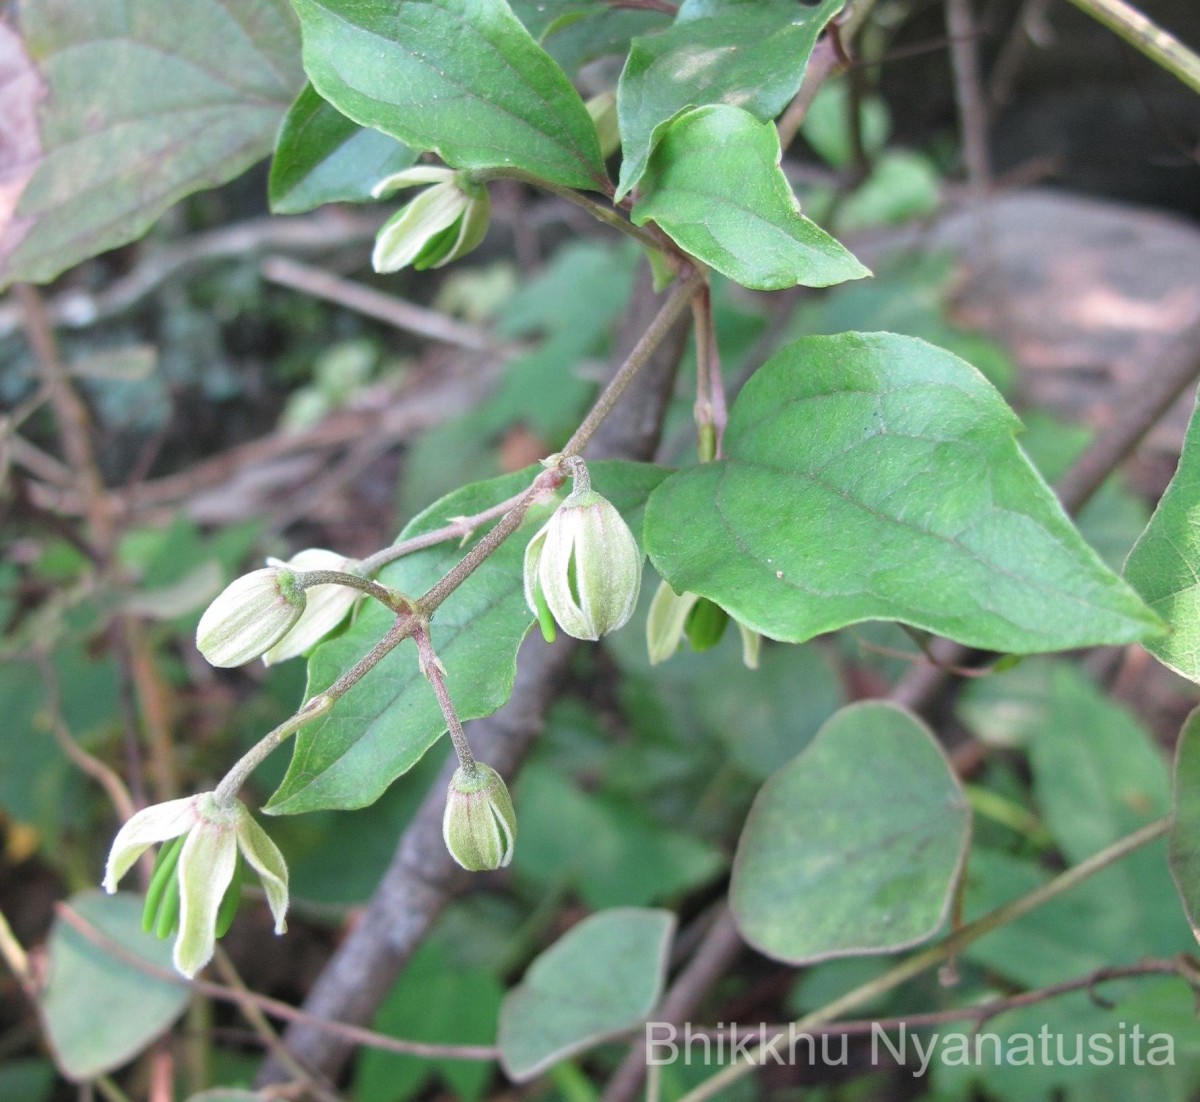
{"x":389,"y":598}
{"x":435,"y":672}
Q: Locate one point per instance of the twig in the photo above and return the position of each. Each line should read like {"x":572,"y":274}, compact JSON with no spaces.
{"x":16,"y":958}
{"x":274,"y":1007}
{"x":972,"y":113}
{"x":1160,"y":46}
{"x":383,"y":307}
{"x":1028,"y":25}
{"x":944,"y":950}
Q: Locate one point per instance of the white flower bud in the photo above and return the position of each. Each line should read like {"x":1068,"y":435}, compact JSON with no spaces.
{"x":480,"y":826}
{"x":250,"y":616}
{"x":441,"y":224}
{"x":215,"y":834}
{"x":325,"y":605}
{"x":586,"y":566}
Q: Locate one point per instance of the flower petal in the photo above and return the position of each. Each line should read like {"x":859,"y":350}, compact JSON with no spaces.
{"x":157,"y":823}
{"x":205,"y":869}
{"x":326,"y":607}
{"x":665,"y":621}
{"x":264,"y":857}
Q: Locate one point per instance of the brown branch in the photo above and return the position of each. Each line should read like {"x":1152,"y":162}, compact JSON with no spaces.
{"x":274,"y":1007}
{"x":422,"y":877}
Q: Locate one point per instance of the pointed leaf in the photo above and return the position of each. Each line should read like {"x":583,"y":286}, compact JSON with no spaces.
{"x":1164,"y":565}
{"x":875,"y":477}
{"x":201,"y":86}
{"x":383,"y":725}
{"x":323,"y":157}
{"x":714,"y":184}
{"x":1184,"y":849}
{"x":748,"y":53}
{"x":99,"y":1012}
{"x":854,"y":846}
{"x":462,"y":79}
{"x":599,"y":979}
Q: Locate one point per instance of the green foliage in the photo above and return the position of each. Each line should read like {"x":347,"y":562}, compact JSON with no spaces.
{"x":845,"y":497}
{"x":599,"y":979}
{"x":323,"y":157}
{"x":1165,"y":563}
{"x":465,"y":81}
{"x":99,"y":1012}
{"x":203,"y":84}
{"x":749,"y":55}
{"x":1185,"y":832}
{"x":856,"y":845}
{"x":714,"y":184}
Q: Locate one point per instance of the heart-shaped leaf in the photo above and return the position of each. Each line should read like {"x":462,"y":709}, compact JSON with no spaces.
{"x":599,"y":979}
{"x":870,"y":476}
{"x":855,"y":845}
{"x":98,"y":1011}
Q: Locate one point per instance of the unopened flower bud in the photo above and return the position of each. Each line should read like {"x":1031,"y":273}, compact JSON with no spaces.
{"x":193,"y":884}
{"x":443,"y":223}
{"x":480,"y":826}
{"x":603,"y":110}
{"x":584,"y":567}
{"x":325,"y":605}
{"x":673,"y":615}
{"x":250,"y":616}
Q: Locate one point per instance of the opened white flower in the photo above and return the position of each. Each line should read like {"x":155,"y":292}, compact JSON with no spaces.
{"x":250,"y":616}
{"x":325,"y":605}
{"x":216,"y":833}
{"x":672,"y":615}
{"x":584,"y":568}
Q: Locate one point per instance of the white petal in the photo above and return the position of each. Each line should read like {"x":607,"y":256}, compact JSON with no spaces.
{"x":666,"y":620}
{"x":206,"y":867}
{"x":326,"y":607}
{"x":157,"y":823}
{"x":407,"y":232}
{"x":263,"y":856}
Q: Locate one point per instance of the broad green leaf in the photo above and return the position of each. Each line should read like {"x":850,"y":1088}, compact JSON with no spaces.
{"x":1185,"y":833}
{"x":439,"y":1001}
{"x":383,"y":726}
{"x":826,"y":126}
{"x":462,"y":78}
{"x":601,"y":978}
{"x":98,"y":1011}
{"x":323,"y":157}
{"x":1164,"y":565}
{"x":855,"y":845}
{"x":715,"y":186}
{"x":574,"y":32}
{"x":875,"y":477}
{"x":150,"y":100}
{"x":751,"y":54}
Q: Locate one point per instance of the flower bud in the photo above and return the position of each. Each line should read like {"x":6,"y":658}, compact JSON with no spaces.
{"x":250,"y":616}
{"x":441,"y":224}
{"x":673,"y":615}
{"x":480,"y":826}
{"x":585,"y":567}
{"x":325,"y":605}
{"x":192,"y":881}
{"x":603,"y":110}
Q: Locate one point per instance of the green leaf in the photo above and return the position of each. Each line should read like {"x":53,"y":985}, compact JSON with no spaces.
{"x":148,"y":102}
{"x":1164,"y":565}
{"x":855,"y":845}
{"x":382,"y":726}
{"x":714,"y":184}
{"x":462,"y":79}
{"x":601,"y":978}
{"x":1184,"y":850}
{"x":439,"y":1001}
{"x":98,"y":1012}
{"x":872,"y":476}
{"x":323,"y":157}
{"x":826,"y":125}
{"x":748,"y":53}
